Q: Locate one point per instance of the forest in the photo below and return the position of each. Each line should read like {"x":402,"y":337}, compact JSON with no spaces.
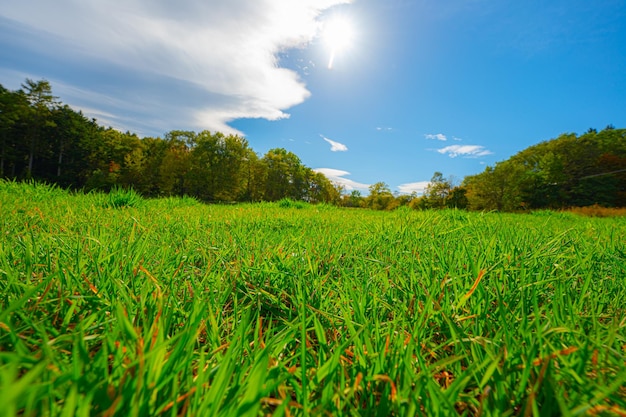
{"x":569,"y":171}
{"x":44,"y":140}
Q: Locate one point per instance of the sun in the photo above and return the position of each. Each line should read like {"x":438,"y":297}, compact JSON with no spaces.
{"x":338,"y":35}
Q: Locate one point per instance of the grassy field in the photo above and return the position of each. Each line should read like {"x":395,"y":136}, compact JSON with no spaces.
{"x":113,"y":305}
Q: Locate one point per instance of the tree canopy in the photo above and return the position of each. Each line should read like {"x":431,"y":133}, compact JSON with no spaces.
{"x":569,"y":171}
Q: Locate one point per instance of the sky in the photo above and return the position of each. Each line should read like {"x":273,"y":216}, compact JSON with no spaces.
{"x":364,"y":91}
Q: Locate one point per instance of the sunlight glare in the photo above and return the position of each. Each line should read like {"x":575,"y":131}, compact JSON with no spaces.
{"x":338,"y":34}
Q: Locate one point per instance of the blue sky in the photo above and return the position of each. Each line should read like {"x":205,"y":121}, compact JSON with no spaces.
{"x":422,"y":85}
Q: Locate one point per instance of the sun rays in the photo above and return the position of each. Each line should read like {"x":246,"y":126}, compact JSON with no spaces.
{"x":338,"y":35}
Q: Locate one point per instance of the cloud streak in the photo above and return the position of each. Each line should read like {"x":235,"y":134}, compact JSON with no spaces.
{"x":335,"y":146}
{"x":468,"y":151}
{"x":414,"y":187}
{"x":437,"y":136}
{"x":220,"y":58}
{"x":338,"y":177}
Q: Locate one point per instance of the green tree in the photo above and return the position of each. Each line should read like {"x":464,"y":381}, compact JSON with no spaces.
{"x":321,"y":189}
{"x":132,"y":170}
{"x":380,"y":197}
{"x":286,"y":176}
{"x":12,"y":106}
{"x":70,"y":138}
{"x":497,"y":188}
{"x":406,"y":199}
{"x":457,"y":198}
{"x":615,"y":167}
{"x":175,"y":165}
{"x":154,"y":150}
{"x":41,"y":101}
{"x":218,"y":167}
{"x":437,"y":192}
{"x":255,"y":177}
{"x":108,"y":154}
{"x":354,"y":199}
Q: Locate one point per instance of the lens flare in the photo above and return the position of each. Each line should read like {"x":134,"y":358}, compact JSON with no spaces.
{"x":338,"y":34}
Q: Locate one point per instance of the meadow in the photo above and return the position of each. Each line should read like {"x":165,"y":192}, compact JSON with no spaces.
{"x":113,"y":305}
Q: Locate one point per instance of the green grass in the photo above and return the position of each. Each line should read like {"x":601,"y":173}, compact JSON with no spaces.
{"x":171,"y":307}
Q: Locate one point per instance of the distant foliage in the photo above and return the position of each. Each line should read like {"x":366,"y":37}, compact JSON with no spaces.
{"x":569,"y":171}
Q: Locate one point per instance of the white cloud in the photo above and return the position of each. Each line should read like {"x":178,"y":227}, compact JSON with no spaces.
{"x":469,"y":151}
{"x":414,"y":187}
{"x":199,"y":63}
{"x":438,"y":136}
{"x":338,"y":177}
{"x":335,"y":146}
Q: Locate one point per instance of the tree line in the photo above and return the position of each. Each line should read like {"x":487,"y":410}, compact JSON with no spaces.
{"x":42,"y":139}
{"x":45,"y":140}
{"x":569,"y":171}
{"x":566,"y":172}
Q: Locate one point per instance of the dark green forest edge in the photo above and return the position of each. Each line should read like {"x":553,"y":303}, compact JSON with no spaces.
{"x":42,"y":139}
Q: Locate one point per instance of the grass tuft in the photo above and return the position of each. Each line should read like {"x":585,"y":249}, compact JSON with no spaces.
{"x":120,"y":198}
{"x":289,"y":203}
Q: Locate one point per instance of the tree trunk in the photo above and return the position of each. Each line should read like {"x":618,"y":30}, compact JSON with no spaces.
{"x":3,"y":155}
{"x":31,"y":157}
{"x":32,"y":134}
{"x":60,"y":159}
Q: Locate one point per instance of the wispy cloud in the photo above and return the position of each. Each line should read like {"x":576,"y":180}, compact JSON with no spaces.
{"x":384,"y":129}
{"x":335,"y":146}
{"x":437,"y":136}
{"x":414,"y":187}
{"x":199,"y":64}
{"x":338,"y":177}
{"x":468,"y":151}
